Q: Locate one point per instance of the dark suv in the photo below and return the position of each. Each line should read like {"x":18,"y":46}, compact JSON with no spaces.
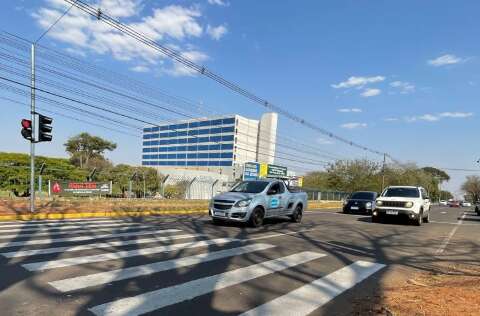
{"x":360,"y":202}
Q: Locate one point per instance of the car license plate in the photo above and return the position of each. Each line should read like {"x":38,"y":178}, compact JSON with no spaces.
{"x":219,"y":213}
{"x":392,"y":212}
{"x":354,"y":207}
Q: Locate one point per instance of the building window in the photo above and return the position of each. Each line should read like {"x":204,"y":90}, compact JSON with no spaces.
{"x":227,"y":121}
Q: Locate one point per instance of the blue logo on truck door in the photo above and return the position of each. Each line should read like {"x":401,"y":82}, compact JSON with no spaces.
{"x":274,"y":203}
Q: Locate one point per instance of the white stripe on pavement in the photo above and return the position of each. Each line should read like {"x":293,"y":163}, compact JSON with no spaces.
{"x":108,"y":244}
{"x":309,"y":297}
{"x":154,"y":300}
{"x":84,"y":238}
{"x":50,"y":264}
{"x":447,"y":239}
{"x":47,"y":221}
{"x":81,"y":282}
{"x":65,"y":227}
{"x":58,"y":224}
{"x":78,"y":230}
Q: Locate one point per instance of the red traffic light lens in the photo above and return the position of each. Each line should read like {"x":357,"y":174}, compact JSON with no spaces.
{"x":26,"y":123}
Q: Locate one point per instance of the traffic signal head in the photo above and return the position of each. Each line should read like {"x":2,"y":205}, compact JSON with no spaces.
{"x":27,"y":129}
{"x":44,"y":128}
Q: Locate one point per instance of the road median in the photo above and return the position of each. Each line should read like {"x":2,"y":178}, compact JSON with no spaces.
{"x":18,"y":209}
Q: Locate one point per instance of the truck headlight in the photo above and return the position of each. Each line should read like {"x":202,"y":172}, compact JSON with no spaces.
{"x":368,"y":205}
{"x":379,"y":203}
{"x":243,"y":203}
{"x":409,"y":204}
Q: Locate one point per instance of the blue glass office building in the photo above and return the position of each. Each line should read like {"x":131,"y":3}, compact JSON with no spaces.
{"x":208,"y":142}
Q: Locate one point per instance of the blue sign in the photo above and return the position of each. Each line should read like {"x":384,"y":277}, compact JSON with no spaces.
{"x":274,"y":202}
{"x":251,"y":171}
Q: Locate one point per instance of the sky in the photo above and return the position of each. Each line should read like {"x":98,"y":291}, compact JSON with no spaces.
{"x":401,"y":77}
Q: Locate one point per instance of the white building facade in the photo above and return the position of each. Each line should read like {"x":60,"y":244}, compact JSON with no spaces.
{"x":219,"y":145}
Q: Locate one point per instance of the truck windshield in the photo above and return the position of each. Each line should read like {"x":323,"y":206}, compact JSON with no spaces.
{"x":250,"y":187}
{"x":402,"y":192}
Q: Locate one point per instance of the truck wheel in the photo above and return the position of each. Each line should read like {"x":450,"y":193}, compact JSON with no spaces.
{"x":419,"y":220}
{"x":296,"y":217}
{"x":256,"y":218}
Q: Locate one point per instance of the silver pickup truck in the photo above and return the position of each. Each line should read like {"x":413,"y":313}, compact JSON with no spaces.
{"x":253,"y":201}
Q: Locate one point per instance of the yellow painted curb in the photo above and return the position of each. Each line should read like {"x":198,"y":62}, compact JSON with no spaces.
{"x":40,"y":216}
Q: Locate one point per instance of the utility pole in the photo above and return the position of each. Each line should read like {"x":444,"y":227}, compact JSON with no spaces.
{"x":34,"y":137}
{"x":383,"y":171}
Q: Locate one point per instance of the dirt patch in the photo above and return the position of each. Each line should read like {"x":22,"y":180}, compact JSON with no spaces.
{"x":452,"y":290}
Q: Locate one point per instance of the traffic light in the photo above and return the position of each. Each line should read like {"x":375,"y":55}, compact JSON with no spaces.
{"x":27,"y":129}
{"x":44,"y":128}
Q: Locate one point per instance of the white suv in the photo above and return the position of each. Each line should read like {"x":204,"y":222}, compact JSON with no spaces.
{"x":412,"y":202}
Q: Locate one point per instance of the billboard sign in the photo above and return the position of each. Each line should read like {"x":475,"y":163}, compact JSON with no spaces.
{"x":68,"y":188}
{"x":275,"y":171}
{"x":251,"y":171}
{"x":255,"y":170}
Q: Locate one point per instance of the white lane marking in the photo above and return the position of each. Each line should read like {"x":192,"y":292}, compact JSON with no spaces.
{"x":471,"y":217}
{"x":78,"y":230}
{"x":443,"y":212}
{"x":445,"y":242}
{"x":279,"y":234}
{"x":84,"y":238}
{"x":154,"y":300}
{"x":60,"y":224}
{"x":453,"y":223}
{"x":73,"y":220}
{"x":67,"y":262}
{"x":81,"y":282}
{"x":309,"y":297}
{"x":64,"y":227}
{"x":108,"y":244}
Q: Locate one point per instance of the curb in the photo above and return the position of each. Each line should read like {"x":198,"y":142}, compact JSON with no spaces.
{"x":41,"y":216}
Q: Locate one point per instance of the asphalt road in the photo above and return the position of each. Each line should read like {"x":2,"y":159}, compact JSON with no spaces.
{"x":186,"y":265}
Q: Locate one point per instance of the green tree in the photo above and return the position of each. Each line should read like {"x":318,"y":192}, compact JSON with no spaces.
{"x":86,"y":151}
{"x":471,"y":186}
{"x":316,"y":180}
{"x":437,"y":173}
{"x":354,"y":175}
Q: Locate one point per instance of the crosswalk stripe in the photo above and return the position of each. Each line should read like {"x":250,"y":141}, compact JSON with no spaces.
{"x":78,"y":230}
{"x":309,"y":297}
{"x":62,"y":221}
{"x":157,"y":299}
{"x":471,"y":217}
{"x":50,"y":264}
{"x":34,"y":252}
{"x":81,"y":282}
{"x":58,"y":224}
{"x":64,"y":227}
{"x":84,"y":238}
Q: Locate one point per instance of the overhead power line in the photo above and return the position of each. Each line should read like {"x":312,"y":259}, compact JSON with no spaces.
{"x":179,"y":58}
{"x":89,"y":75}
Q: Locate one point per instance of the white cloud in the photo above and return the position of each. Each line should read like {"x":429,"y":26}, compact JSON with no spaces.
{"x":358,"y":82}
{"x":456,"y":114}
{"x":391,"y":119}
{"x":217,"y":32}
{"x":403,"y":86}
{"x":173,"y":24}
{"x":439,"y":116}
{"x":352,"y":110}
{"x":219,"y":2}
{"x":140,"y":68}
{"x":180,"y":70}
{"x":443,"y":60}
{"x":353,"y":125}
{"x":370,"y":92}
{"x":324,"y":141}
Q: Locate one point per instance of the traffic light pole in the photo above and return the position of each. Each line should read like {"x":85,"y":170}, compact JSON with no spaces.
{"x":32,"y":142}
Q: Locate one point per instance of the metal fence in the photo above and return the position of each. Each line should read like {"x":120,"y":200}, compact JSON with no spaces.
{"x":326,"y":195}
